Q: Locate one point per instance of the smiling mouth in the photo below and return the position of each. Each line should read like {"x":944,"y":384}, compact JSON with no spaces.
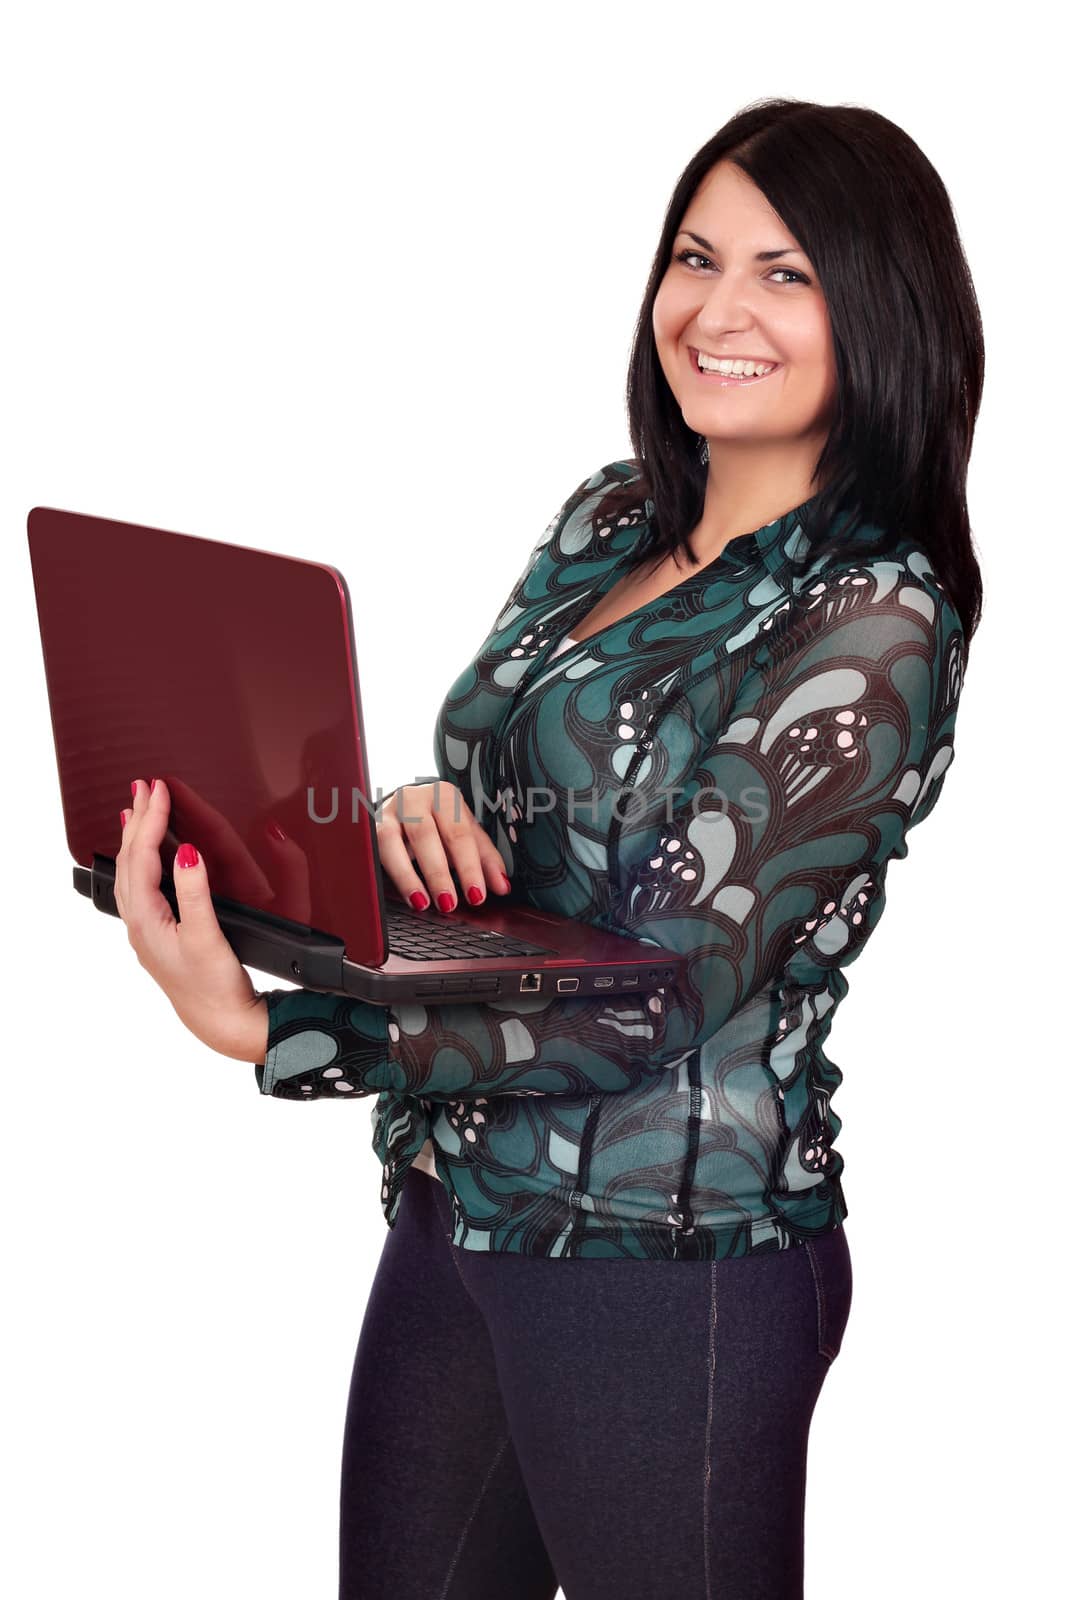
{"x":732,"y":381}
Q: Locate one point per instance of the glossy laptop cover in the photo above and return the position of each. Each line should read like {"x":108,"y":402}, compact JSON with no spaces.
{"x":231,"y":673}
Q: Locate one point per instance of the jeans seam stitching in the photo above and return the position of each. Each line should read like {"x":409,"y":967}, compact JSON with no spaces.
{"x":713,"y":1325}
{"x":450,"y":1574}
{"x":825,"y":1350}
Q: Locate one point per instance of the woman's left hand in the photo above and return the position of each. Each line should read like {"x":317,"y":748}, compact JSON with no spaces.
{"x":191,"y":959}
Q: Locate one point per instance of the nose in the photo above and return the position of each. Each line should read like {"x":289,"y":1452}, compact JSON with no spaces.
{"x":726,"y":307}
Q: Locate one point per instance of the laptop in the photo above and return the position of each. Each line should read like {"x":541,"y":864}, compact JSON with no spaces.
{"x":231,"y":673}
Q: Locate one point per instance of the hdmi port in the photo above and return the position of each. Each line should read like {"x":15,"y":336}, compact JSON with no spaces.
{"x":603,"y":983}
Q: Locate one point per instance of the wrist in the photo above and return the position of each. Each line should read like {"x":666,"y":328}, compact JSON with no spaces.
{"x":247,"y":1039}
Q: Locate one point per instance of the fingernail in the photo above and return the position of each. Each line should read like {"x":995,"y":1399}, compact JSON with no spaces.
{"x":507,"y":885}
{"x":475,"y":895}
{"x":152,"y":786}
{"x":419,"y":900}
{"x":133,"y":788}
{"x":122,"y":818}
{"x":446,"y":902}
{"x":187,"y":856}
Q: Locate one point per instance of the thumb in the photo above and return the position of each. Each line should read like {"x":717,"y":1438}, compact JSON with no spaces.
{"x":195,"y":910}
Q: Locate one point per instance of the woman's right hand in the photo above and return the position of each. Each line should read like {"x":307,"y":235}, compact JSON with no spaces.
{"x":428,"y":827}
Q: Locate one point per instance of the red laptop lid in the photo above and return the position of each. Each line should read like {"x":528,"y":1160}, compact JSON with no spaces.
{"x":231,"y":673}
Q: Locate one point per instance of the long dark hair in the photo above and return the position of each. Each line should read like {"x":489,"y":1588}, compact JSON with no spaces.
{"x":874,"y":218}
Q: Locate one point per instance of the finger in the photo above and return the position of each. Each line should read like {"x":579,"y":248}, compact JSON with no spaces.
{"x":120,"y":861}
{"x":461,"y":848}
{"x":420,"y":825}
{"x":211,"y":991}
{"x":146,"y":909}
{"x":493,"y":866}
{"x":197,"y":918}
{"x":138,"y":792}
{"x":123,"y":857}
{"x":457,"y":824}
{"x":395,"y":860}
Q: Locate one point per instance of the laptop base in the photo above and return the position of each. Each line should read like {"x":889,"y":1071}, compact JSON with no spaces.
{"x":315,"y":960}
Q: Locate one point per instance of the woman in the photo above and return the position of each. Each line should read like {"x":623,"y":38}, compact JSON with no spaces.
{"x":720,"y":694}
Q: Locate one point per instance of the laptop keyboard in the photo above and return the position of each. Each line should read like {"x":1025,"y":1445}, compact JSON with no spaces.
{"x":411,"y":936}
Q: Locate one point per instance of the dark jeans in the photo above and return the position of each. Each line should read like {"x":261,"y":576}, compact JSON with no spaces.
{"x":625,"y":1429}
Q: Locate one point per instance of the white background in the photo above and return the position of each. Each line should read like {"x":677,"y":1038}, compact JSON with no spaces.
{"x":360,"y":286}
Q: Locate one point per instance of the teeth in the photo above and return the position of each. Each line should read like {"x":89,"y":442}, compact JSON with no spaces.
{"x":736,"y":369}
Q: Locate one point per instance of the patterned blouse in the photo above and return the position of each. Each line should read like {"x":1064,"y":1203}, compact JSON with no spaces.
{"x":726,"y":772}
{"x":424,"y":1159}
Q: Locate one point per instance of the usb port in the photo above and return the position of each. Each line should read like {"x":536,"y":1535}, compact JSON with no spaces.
{"x":566,"y":985}
{"x":631,"y":983}
{"x":530,"y":983}
{"x":603,"y":983}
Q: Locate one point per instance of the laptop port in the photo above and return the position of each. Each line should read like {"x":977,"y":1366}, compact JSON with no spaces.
{"x":530,"y":983}
{"x":631,"y":983}
{"x":566,"y":985}
{"x":603,"y":983}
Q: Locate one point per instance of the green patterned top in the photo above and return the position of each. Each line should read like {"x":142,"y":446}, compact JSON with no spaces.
{"x":725,"y":772}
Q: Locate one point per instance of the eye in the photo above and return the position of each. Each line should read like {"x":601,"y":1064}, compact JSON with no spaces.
{"x":688,"y":255}
{"x":685,"y":256}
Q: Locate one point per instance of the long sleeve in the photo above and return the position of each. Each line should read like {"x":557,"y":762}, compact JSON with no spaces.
{"x":771,"y":869}
{"x":837,"y":745}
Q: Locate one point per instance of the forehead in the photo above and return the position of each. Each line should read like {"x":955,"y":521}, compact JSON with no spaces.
{"x":731,"y":214}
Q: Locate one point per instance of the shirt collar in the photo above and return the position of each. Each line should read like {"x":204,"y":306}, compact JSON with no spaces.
{"x":776,"y":542}
{"x":784,"y":536}
{"x":786,"y":540}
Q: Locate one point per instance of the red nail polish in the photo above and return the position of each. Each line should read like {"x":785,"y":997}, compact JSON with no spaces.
{"x":419,"y":900}
{"x":507,"y":885}
{"x":475,"y":895}
{"x":122,"y":818}
{"x":152,"y":786}
{"x":133,"y":788}
{"x":187,"y":856}
{"x":446,"y":902}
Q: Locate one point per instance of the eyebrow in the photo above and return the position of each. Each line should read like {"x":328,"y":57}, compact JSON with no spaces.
{"x":761,"y":255}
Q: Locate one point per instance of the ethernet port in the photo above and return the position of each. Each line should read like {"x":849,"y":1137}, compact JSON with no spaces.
{"x":530,"y":983}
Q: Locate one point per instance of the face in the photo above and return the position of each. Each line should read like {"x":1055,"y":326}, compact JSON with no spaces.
{"x":718,"y":297}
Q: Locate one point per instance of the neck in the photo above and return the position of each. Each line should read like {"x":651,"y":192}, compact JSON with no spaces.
{"x":746,"y":490}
